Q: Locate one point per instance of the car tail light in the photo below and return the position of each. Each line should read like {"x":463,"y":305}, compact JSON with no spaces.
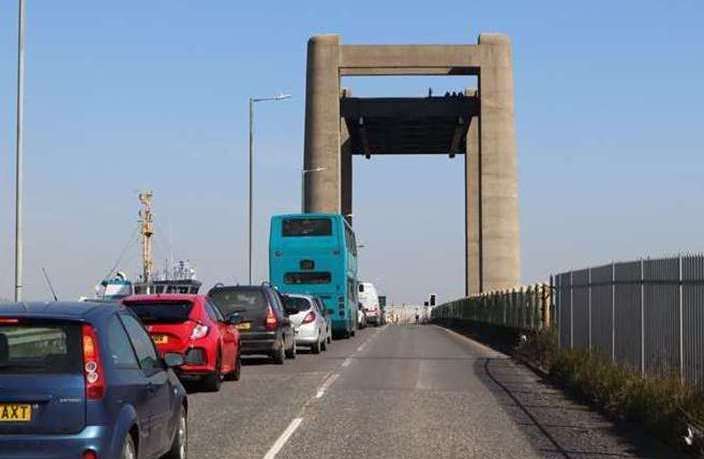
{"x":7,"y":320}
{"x":199,"y":331}
{"x":270,"y":322}
{"x":92,"y":366}
{"x":89,"y":454}
{"x":310,"y":317}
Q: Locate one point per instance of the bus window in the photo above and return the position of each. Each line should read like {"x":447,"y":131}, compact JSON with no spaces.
{"x":350,"y":241}
{"x":308,"y":278}
{"x":293,"y":227}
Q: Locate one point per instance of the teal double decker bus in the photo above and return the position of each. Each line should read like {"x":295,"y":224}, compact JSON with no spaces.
{"x":316,"y":254}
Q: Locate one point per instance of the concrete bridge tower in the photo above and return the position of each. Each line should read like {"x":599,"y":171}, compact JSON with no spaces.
{"x":479,"y":125}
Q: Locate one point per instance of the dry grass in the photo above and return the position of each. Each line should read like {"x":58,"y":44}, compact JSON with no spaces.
{"x":664,"y":406}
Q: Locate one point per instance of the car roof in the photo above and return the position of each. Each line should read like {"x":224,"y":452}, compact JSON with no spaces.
{"x":164,"y":297}
{"x":69,"y":310}
{"x":240,"y":287}
{"x":300,"y":295}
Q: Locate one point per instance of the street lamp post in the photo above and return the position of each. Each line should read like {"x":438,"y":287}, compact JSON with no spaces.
{"x":19,"y":156}
{"x":252,"y":101}
{"x":303,"y":184}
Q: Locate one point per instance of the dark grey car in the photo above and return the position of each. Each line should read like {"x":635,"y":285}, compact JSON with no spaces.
{"x":265,"y":328}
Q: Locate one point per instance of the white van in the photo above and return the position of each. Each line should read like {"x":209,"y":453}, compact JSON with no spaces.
{"x":370,"y":302}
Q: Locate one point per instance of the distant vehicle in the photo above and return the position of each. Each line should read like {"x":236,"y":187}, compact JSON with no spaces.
{"x":316,"y":254}
{"x":309,"y":321}
{"x":194,"y":327}
{"x":265,"y":327}
{"x":382,"y":306}
{"x":370,"y":302}
{"x":361,"y":317}
{"x":84,"y":380}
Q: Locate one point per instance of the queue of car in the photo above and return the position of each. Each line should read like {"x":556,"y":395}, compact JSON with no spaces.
{"x":104,"y":380}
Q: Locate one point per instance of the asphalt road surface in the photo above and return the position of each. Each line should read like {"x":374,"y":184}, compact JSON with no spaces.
{"x":401,"y":391}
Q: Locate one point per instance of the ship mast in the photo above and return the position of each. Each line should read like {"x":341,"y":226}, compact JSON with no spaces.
{"x":145,"y":215}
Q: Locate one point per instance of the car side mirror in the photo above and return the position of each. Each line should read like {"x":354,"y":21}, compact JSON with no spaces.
{"x":234,"y":319}
{"x":173,"y":359}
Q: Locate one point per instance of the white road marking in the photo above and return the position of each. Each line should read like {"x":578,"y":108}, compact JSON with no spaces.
{"x":283,"y":438}
{"x":423,"y":372}
{"x":326,"y":385}
{"x":347,"y":362}
{"x":361,"y":348}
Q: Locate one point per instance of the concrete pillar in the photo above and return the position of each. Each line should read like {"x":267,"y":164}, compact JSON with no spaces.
{"x":346,"y":169}
{"x":321,"y":189}
{"x":473,"y":268}
{"x":499,"y":236}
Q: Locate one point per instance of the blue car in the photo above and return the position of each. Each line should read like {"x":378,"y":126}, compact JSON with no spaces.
{"x":84,"y":380}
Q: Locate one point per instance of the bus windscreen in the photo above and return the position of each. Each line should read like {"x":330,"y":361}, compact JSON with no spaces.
{"x":293,"y":227}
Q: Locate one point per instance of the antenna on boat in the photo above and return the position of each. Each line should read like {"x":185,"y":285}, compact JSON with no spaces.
{"x":48,"y":283}
{"x":146,"y":221}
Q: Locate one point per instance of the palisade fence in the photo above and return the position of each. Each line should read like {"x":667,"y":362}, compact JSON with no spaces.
{"x":525,"y":308}
{"x":647,"y":315}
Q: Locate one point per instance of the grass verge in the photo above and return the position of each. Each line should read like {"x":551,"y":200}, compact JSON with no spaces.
{"x":672,"y":411}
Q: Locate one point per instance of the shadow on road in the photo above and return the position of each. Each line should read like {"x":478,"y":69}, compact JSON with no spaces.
{"x":558,"y":426}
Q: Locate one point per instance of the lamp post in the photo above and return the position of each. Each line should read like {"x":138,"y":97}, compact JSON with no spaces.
{"x":252,"y":101}
{"x":19,"y":156}
{"x":303,"y":184}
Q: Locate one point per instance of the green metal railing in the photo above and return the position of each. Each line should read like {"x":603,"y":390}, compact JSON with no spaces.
{"x":526,"y":308}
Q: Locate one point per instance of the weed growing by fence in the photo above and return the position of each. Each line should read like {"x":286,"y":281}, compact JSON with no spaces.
{"x":663,"y":406}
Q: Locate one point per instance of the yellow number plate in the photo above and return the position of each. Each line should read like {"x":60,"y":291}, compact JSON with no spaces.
{"x":13,"y":412}
{"x":244,"y":326}
{"x":161,"y":339}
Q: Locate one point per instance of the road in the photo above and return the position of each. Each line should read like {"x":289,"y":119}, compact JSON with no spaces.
{"x":402,"y":391}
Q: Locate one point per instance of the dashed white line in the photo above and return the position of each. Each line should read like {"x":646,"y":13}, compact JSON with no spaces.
{"x":326,"y":385}
{"x":283,"y":438}
{"x":347,"y":362}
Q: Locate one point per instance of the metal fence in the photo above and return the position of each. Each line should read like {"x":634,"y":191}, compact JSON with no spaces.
{"x":647,"y":315}
{"x":525,"y":308}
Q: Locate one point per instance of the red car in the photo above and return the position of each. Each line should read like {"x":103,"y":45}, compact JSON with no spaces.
{"x":193,"y":326}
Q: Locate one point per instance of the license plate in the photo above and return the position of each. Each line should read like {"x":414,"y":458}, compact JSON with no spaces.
{"x":13,"y":412}
{"x":160,"y":339}
{"x":244,"y":326}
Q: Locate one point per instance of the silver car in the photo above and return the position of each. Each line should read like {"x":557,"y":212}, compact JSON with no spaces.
{"x":310,"y":321}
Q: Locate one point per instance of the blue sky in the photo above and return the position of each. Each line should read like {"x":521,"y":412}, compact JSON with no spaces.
{"x":122,"y":96}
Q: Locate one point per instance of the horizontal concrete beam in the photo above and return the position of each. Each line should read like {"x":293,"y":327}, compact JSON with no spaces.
{"x":408,"y":107}
{"x":409,"y":60}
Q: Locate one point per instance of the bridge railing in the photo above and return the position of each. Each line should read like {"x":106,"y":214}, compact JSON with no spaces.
{"x":647,"y":315}
{"x":525,"y":308}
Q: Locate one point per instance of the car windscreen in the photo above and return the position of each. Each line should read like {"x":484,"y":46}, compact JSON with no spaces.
{"x":42,"y":347}
{"x":152,"y":312}
{"x":307,"y":227}
{"x":296,"y":278}
{"x":296,"y":302}
{"x":243,"y":301}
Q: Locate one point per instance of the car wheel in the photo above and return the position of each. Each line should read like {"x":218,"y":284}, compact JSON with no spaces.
{"x":353,"y":332}
{"x":291,"y":353}
{"x":128,"y":449}
{"x":324,"y":345}
{"x":315,"y":348}
{"x":179,"y":447}
{"x":279,"y":355}
{"x":236,"y":372}
{"x":213,"y":381}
